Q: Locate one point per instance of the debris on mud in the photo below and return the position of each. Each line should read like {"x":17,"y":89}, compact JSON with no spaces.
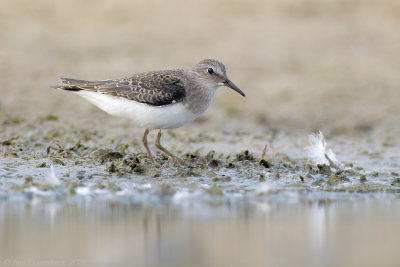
{"x":104,"y":154}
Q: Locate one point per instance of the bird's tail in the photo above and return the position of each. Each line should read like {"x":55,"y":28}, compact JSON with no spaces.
{"x":78,"y":85}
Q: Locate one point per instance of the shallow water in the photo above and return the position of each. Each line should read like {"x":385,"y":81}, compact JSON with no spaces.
{"x":287,"y":228}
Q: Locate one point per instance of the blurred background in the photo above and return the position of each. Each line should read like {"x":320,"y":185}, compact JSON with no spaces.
{"x":309,"y":64}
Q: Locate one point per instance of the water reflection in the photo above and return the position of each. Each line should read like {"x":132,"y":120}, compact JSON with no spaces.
{"x":206,"y":230}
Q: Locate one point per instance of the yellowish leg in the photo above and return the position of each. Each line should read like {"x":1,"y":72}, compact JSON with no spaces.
{"x":159,"y":146}
{"x":144,"y":142}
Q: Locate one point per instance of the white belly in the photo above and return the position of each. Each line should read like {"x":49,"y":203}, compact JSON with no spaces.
{"x":147,"y":116}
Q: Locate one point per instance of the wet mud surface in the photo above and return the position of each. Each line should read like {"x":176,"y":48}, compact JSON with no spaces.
{"x":89,"y":162}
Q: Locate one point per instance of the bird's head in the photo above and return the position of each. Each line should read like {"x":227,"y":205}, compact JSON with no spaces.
{"x":213,"y":73}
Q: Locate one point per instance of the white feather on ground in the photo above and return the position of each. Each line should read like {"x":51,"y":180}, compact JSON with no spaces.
{"x":52,"y":178}
{"x":319,"y":154}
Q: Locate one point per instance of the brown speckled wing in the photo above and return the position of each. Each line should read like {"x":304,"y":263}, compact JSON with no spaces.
{"x":154,"y":88}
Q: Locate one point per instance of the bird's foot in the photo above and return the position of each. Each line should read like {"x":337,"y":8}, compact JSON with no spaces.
{"x":178,"y":161}
{"x":183,"y":163}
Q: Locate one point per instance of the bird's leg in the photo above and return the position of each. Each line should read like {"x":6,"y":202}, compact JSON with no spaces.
{"x":159,"y":146}
{"x":144,"y":142}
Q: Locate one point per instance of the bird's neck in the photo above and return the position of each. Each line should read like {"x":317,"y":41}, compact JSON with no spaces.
{"x":199,"y":96}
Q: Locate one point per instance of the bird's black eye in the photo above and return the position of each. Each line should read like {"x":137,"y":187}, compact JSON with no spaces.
{"x":210,"y":70}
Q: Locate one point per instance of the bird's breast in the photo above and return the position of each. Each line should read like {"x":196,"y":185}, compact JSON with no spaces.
{"x":198,"y":99}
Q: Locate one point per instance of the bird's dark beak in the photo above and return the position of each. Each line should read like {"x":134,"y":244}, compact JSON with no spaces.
{"x":230,"y":84}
